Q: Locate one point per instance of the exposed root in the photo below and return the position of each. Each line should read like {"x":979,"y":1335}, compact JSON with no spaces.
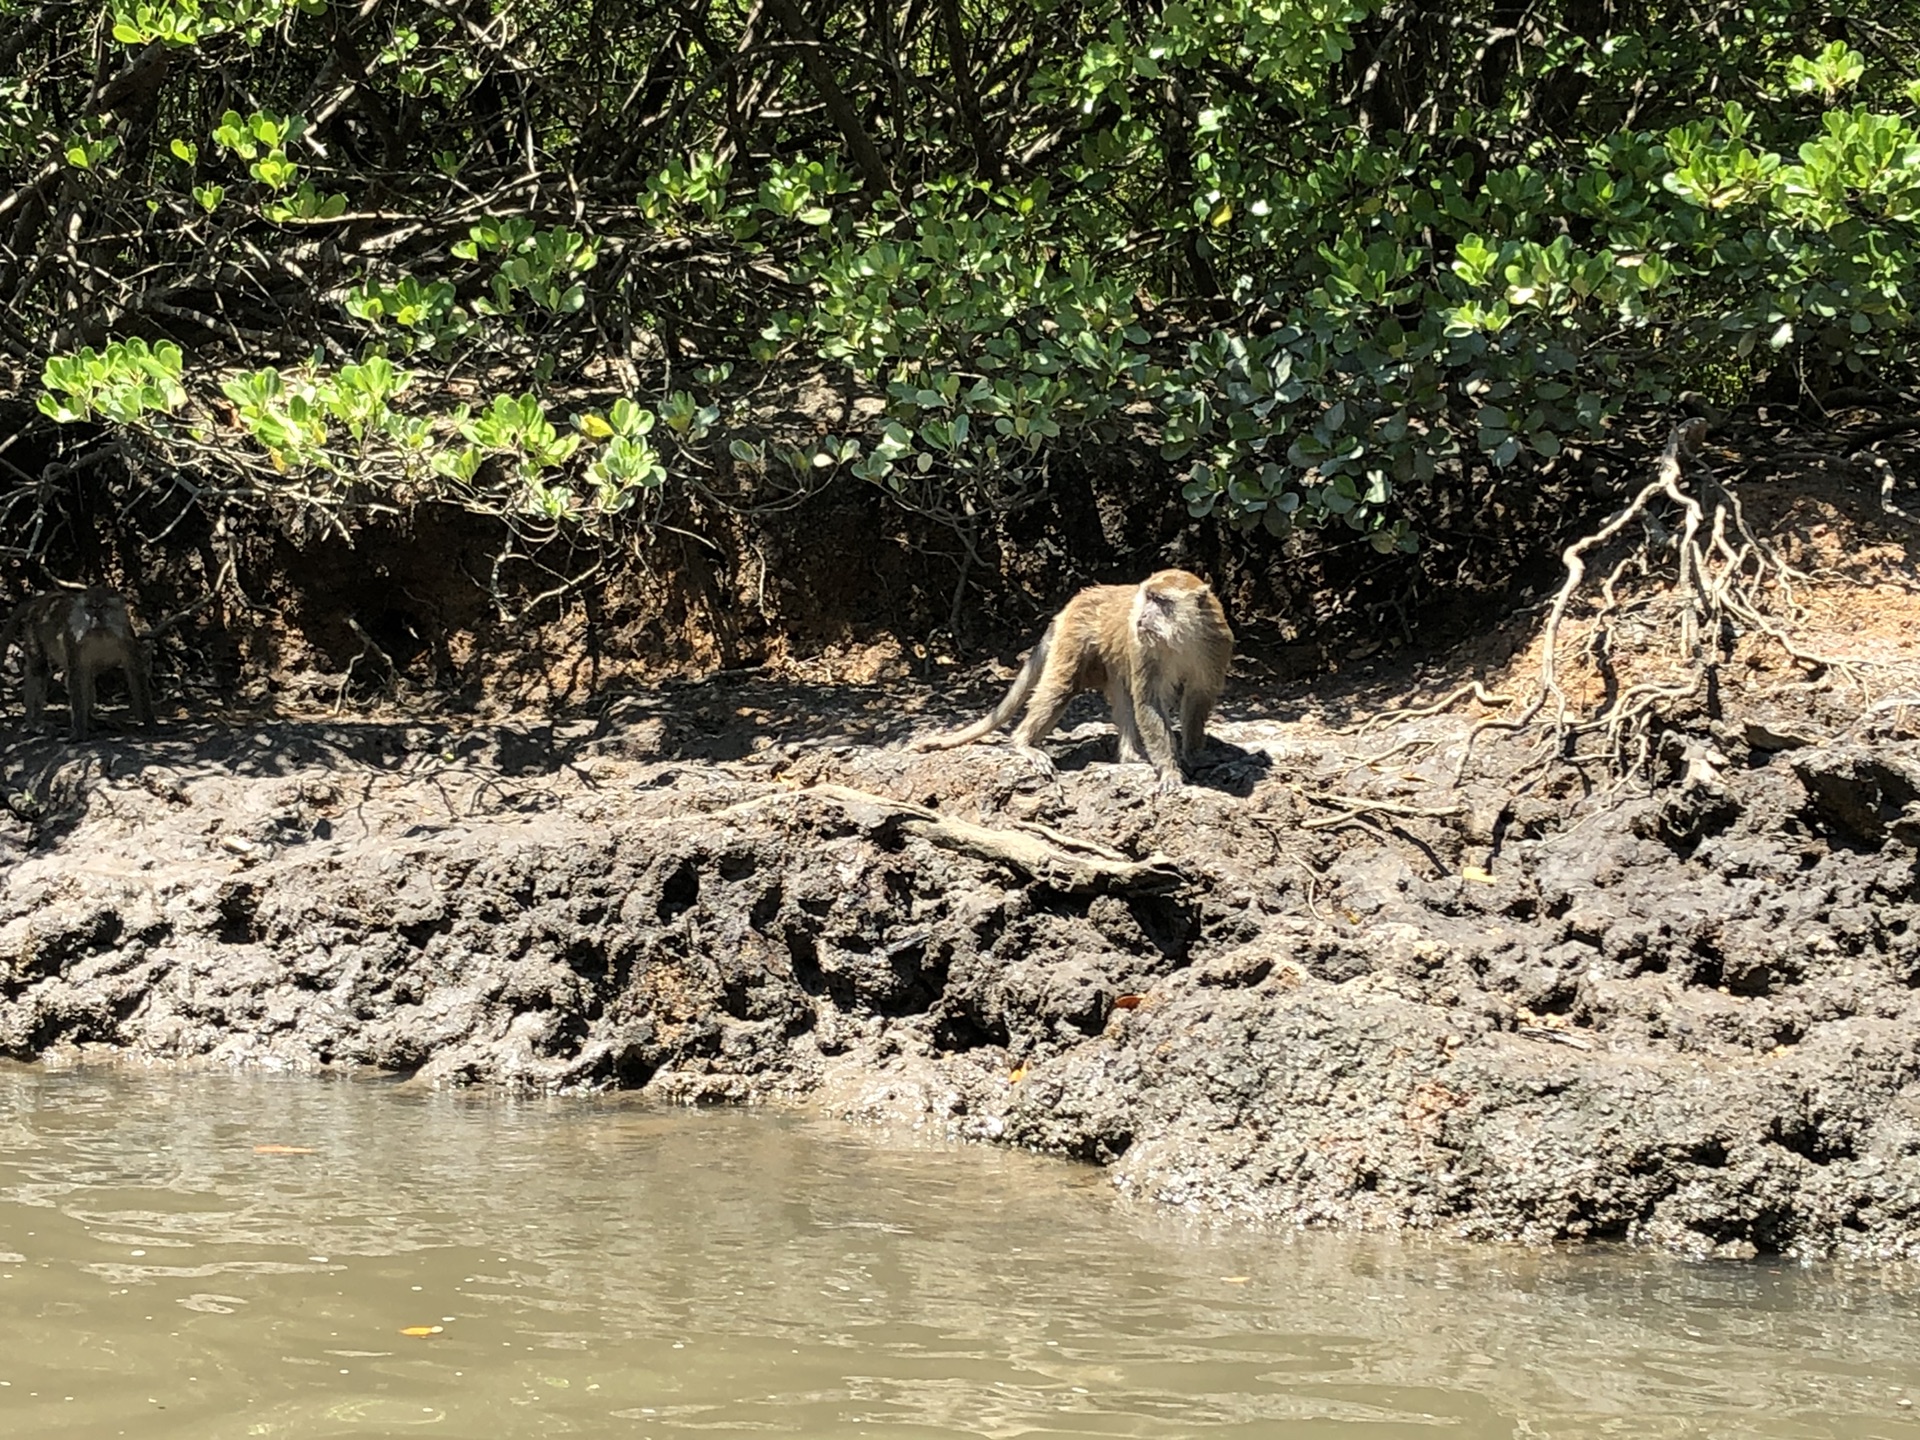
{"x":1472,"y":689}
{"x":1446,"y":702}
{"x":368,"y":646}
{"x":1364,"y":812}
{"x":1311,"y":895}
{"x":1352,"y":807}
{"x":1726,"y":582}
{"x":1415,"y":742}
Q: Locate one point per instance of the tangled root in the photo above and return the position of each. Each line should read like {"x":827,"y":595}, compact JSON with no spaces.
{"x":1726,"y":583}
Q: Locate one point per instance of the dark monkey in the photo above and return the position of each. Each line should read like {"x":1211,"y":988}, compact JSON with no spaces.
{"x":79,"y":633}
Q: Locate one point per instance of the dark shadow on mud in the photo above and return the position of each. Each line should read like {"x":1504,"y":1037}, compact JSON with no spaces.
{"x":49,"y":783}
{"x":734,"y":717}
{"x":1231,"y":769}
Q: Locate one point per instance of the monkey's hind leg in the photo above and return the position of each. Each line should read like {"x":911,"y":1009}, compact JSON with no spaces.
{"x":1048,"y":703}
{"x":1195,"y":707}
{"x":33,"y":687}
{"x":1052,"y":692}
{"x":80,"y":696}
{"x":139,"y":692}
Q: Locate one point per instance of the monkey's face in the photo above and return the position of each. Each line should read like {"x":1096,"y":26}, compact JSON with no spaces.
{"x":95,"y":614}
{"x":1162,"y":608}
{"x":1154,"y":621}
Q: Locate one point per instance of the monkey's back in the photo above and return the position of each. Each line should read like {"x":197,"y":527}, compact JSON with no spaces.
{"x":1094,"y":629}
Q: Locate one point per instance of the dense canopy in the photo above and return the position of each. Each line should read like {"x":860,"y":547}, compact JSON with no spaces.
{"x":539,"y":256}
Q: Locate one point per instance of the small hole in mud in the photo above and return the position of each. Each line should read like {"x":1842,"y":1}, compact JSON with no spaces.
{"x":1710,"y":1154}
{"x":1707,"y":972}
{"x":680,"y":892}
{"x":1809,"y":1140}
{"x":239,"y":909}
{"x":804,"y":956}
{"x":957,"y":1033}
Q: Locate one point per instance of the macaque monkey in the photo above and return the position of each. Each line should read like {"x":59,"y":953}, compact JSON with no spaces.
{"x":1144,"y":645}
{"x":79,"y":633}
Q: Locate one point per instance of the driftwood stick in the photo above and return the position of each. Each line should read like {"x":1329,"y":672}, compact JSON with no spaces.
{"x":1052,"y":857}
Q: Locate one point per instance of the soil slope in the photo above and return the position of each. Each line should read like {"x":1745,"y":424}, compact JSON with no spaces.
{"x":1545,"y":1001}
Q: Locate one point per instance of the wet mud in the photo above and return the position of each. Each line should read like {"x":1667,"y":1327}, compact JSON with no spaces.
{"x":1324,"y":983}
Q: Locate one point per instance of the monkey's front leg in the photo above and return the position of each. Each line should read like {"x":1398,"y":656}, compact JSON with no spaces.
{"x":1156,"y":735}
{"x":80,"y":696}
{"x":139,"y":690}
{"x":1131,"y":751}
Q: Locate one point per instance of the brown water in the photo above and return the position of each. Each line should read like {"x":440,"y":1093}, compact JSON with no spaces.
{"x":601,"y":1269}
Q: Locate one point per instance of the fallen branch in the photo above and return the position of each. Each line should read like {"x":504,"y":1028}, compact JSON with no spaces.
{"x":1353,"y":807}
{"x":1052,"y":857}
{"x":1446,"y":702}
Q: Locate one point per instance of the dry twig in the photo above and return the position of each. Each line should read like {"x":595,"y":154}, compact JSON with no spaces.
{"x":1353,"y":807}
{"x":1446,"y":702}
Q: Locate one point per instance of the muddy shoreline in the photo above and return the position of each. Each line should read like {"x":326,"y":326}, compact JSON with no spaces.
{"x":1680,"y":1016}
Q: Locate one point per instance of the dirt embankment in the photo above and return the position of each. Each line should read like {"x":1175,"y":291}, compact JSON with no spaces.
{"x":1681,"y":1008}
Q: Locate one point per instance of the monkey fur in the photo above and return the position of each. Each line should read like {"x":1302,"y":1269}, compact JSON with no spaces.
{"x":78,"y":633}
{"x":1147,"y":647}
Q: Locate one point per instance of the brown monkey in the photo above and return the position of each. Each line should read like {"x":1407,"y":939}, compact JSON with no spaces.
{"x":1144,"y":645}
{"x":79,"y":633}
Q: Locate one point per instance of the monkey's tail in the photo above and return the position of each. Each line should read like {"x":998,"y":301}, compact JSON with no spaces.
{"x":1023,"y":684}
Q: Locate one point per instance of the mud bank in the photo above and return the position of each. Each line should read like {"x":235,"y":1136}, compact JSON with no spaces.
{"x":1685,"y":1017}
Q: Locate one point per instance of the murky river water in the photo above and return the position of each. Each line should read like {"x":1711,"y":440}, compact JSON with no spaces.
{"x":601,"y":1269}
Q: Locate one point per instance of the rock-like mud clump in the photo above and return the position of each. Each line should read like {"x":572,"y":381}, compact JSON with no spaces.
{"x":1602,"y":925}
{"x":1324,"y":984}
